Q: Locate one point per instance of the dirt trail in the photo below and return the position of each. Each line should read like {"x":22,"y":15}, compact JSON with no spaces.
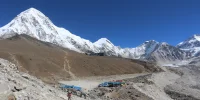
{"x":66,"y":64}
{"x":90,"y":83}
{"x":112,"y":77}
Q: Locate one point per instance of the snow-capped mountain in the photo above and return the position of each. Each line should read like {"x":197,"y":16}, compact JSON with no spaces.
{"x":141,"y":51}
{"x":35,"y":24}
{"x":165,"y":53}
{"x":104,"y":45}
{"x":191,"y":45}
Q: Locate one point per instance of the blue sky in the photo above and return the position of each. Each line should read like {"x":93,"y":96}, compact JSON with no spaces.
{"x":127,"y":23}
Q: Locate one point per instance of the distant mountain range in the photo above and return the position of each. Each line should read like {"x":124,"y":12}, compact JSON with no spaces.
{"x":35,"y":24}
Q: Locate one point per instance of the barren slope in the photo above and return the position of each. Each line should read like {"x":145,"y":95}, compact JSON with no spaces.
{"x":52,"y":63}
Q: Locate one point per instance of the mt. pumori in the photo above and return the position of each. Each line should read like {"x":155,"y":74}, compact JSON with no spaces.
{"x":35,"y":24}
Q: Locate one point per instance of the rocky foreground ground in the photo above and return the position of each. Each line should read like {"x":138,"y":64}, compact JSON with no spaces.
{"x":15,"y":85}
{"x":179,"y":83}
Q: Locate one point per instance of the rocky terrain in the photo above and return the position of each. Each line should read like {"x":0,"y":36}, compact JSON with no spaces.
{"x":15,"y":85}
{"x":187,"y":86}
{"x":180,"y":83}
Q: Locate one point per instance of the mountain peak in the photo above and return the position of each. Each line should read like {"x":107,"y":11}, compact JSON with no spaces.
{"x":32,"y":9}
{"x":31,"y":22}
{"x":34,"y":23}
{"x":103,"y":41}
{"x":164,"y":43}
{"x":31,"y":12}
{"x":190,"y":42}
{"x":197,"y":37}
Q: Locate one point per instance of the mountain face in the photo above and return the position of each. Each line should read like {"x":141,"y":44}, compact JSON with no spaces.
{"x":191,"y":45}
{"x":166,"y":53}
{"x":35,"y":24}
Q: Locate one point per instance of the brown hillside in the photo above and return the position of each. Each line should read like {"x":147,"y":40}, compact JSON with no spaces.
{"x":52,"y":63}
